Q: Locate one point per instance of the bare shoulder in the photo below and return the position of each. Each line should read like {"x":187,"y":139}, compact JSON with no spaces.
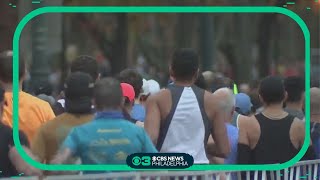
{"x":297,"y":132}
{"x":210,"y":103}
{"x":251,"y":128}
{"x":298,"y":126}
{"x":245,"y":122}
{"x":211,"y":99}
{"x":158,"y":96}
{"x":249,"y":124}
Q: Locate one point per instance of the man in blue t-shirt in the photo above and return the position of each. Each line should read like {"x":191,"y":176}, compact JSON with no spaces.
{"x":108,"y":138}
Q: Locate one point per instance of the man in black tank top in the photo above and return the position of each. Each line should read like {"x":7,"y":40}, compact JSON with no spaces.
{"x":272,"y":136}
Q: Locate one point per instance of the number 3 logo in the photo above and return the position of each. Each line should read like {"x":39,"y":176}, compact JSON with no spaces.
{"x":146,"y":161}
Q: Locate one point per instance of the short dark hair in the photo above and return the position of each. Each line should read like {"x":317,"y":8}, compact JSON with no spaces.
{"x":222,"y":82}
{"x":295,"y":87}
{"x":184,"y":64}
{"x":107,"y":93}
{"x":132,"y":77}
{"x":272,"y":90}
{"x":6,"y":67}
{"x":86,"y":64}
{"x":44,"y":88}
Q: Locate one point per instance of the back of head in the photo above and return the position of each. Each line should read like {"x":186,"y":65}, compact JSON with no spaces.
{"x":44,"y":88}
{"x":208,"y":75}
{"x":6,"y":67}
{"x":227,"y":99}
{"x":295,"y":87}
{"x":86,"y":64}
{"x":208,"y":78}
{"x":184,"y":64}
{"x":314,"y":100}
{"x":78,"y":92}
{"x":108,"y":94}
{"x":200,"y":82}
{"x":132,"y":77}
{"x":272,"y":90}
{"x":244,"y":88}
{"x":222,"y":82}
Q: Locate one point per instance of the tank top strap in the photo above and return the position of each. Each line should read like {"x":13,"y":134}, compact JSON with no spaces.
{"x":207,"y":123}
{"x":176,"y":92}
{"x":261,"y":117}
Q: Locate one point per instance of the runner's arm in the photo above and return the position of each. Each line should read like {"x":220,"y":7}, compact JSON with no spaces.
{"x":62,"y":156}
{"x":148,"y":146}
{"x":310,"y":154}
{"x":211,"y":147}
{"x":18,"y":162}
{"x":152,"y":121}
{"x":68,"y":149}
{"x":219,"y":132}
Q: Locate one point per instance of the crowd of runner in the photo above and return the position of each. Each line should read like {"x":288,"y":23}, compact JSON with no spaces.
{"x":103,"y":120}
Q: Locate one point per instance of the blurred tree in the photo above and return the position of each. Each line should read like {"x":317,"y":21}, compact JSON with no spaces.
{"x":155,"y":35}
{"x":8,"y":22}
{"x":265,"y":31}
{"x":114,"y":49}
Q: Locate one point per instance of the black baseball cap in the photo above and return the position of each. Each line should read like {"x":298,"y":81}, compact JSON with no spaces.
{"x":78,"y":90}
{"x":77,"y":85}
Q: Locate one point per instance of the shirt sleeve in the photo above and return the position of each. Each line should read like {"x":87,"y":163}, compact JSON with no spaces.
{"x":49,"y":113}
{"x":72,"y":142}
{"x":148,"y":146}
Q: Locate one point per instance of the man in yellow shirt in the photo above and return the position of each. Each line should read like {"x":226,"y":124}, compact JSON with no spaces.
{"x":32,"y":111}
{"x":78,"y":91}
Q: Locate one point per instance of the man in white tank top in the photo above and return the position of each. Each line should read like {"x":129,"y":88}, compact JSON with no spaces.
{"x":180,"y":119}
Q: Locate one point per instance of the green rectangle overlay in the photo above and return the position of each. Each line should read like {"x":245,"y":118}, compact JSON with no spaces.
{"x":161,"y":9}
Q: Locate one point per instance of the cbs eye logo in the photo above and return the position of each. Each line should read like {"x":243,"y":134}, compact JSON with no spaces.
{"x":136,"y":161}
{"x":144,"y":161}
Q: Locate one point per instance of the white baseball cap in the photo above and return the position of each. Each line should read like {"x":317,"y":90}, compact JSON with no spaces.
{"x":150,"y":87}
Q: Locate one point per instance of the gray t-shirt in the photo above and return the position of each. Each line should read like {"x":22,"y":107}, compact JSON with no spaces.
{"x":296,"y":113}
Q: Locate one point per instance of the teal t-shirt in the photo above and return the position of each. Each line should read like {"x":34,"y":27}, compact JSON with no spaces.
{"x":108,"y":139}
